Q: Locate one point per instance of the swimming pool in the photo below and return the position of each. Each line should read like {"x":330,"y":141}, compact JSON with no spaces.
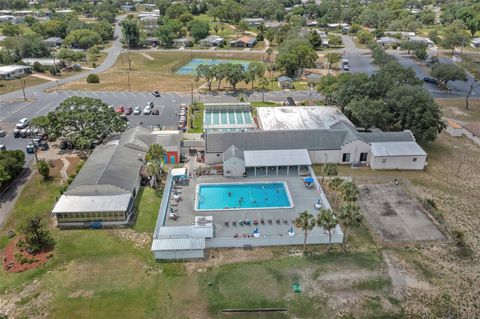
{"x":191,"y":67}
{"x":231,"y":196}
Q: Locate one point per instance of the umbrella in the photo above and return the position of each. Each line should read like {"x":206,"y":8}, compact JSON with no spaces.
{"x":256,"y":230}
{"x":308,"y":179}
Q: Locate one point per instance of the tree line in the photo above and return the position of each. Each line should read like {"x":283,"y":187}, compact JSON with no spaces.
{"x":232,"y":73}
{"x":11,"y":165}
{"x":391,"y":99}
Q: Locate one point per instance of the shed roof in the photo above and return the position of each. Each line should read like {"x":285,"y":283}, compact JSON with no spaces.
{"x":277,"y":158}
{"x":397,"y":149}
{"x":178,"y":244}
{"x":78,"y":204}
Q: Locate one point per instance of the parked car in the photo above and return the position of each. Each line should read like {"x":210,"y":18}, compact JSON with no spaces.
{"x":156,"y":112}
{"x":137,"y":110}
{"x":430,"y":80}
{"x":156,"y":93}
{"x":16,"y":133}
{"x":66,"y":144}
{"x":147,"y":110}
{"x":23,"y":123}
{"x":120,"y":109}
{"x":128,"y":111}
{"x":2,"y":133}
{"x":30,"y":149}
{"x":2,"y":147}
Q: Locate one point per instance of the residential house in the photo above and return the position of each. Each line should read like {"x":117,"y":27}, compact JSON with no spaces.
{"x":128,"y":7}
{"x":54,"y":42}
{"x":311,"y":24}
{"x":183,"y":42}
{"x":44,"y":61}
{"x":425,"y":40}
{"x":285,"y":82}
{"x":313,"y":78}
{"x":475,"y":43}
{"x":388,"y":41}
{"x":244,"y":42}
{"x":253,"y":22}
{"x":10,"y":72}
{"x":212,"y":41}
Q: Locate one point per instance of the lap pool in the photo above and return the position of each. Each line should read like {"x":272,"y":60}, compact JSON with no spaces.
{"x":261,"y":195}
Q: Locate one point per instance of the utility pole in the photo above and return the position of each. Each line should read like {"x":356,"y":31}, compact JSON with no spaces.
{"x":23,"y":89}
{"x":129,"y":63}
{"x":128,"y":76}
{"x":191,"y":93}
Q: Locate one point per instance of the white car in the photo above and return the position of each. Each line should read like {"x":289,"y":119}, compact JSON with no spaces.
{"x":23,"y":123}
{"x":147,"y":110}
{"x":137,"y":110}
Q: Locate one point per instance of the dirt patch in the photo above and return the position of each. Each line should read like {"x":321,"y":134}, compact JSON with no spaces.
{"x":81,"y":294}
{"x":394,"y":215}
{"x":17,"y":260}
{"x":139,"y":240}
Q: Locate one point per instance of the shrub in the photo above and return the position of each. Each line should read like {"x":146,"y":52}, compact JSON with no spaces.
{"x":93,"y":78}
{"x":37,"y":236}
{"x":43,"y":168}
{"x":37,"y":67}
{"x":260,"y":36}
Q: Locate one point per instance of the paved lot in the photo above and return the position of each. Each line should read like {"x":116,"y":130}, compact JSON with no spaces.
{"x":394,"y":215}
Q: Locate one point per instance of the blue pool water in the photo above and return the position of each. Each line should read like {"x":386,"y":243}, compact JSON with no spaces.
{"x":242,"y":196}
{"x":191,"y":67}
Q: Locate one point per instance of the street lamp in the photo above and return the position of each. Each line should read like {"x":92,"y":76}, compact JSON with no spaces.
{"x":22,"y":81}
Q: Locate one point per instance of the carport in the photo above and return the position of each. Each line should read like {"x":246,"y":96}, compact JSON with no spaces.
{"x":276,"y":162}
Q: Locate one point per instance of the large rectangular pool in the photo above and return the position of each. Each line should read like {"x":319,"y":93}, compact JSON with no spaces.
{"x":229,"y":196}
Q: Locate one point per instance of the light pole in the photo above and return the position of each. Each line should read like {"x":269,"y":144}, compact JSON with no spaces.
{"x":23,"y":89}
{"x":128,"y":77}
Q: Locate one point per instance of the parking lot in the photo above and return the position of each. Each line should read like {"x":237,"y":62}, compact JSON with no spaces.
{"x":394,"y":215}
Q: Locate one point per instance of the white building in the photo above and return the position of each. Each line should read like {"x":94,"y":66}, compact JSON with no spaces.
{"x":233,"y":162}
{"x":324,"y":133}
{"x":475,"y":43}
{"x":397,"y":155}
{"x":10,"y":72}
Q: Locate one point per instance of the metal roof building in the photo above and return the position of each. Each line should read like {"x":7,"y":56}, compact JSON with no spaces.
{"x":277,"y":158}
{"x":105,"y":188}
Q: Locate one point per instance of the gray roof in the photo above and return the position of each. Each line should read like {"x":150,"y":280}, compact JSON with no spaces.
{"x":178,"y":244}
{"x":114,"y":167}
{"x":231,"y":152}
{"x":277,"y":158}
{"x":397,"y":149}
{"x":284,"y":79}
{"x":311,"y":139}
{"x":321,"y":139}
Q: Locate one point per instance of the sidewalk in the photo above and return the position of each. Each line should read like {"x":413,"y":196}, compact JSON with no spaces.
{"x":9,"y":197}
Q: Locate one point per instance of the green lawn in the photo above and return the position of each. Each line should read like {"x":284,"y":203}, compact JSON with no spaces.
{"x":269,"y":283}
{"x":147,"y":206}
{"x":197,"y":119}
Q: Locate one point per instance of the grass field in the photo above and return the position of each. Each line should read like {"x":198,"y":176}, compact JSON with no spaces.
{"x":14,"y":85}
{"x":147,"y":206}
{"x":156,"y":74}
{"x":197,"y":119}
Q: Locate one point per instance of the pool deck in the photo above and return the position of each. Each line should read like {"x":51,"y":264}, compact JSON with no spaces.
{"x":277,"y":222}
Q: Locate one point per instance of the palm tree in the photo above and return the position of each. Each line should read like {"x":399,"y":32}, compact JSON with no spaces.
{"x":263,"y":83}
{"x":154,"y":169}
{"x":156,"y":153}
{"x":351,"y":218}
{"x":334,"y":185}
{"x":327,"y":220}
{"x":269,"y":52}
{"x":306,"y":222}
{"x":349,"y":191}
{"x":329,"y":169}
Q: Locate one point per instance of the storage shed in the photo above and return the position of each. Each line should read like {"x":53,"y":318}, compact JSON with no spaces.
{"x":397,"y":155}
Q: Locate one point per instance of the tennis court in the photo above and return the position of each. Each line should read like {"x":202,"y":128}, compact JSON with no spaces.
{"x":224,"y":117}
{"x":191,"y":67}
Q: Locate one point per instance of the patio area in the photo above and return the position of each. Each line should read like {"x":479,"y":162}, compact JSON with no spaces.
{"x":251,"y":227}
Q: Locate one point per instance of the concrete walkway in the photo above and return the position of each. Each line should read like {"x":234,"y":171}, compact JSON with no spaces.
{"x":63,"y":171}
{"x":44,"y":77}
{"x":9,"y":197}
